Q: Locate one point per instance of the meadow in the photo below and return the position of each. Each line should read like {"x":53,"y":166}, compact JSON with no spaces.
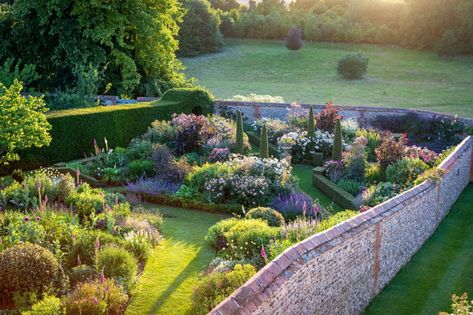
{"x":396,"y":77}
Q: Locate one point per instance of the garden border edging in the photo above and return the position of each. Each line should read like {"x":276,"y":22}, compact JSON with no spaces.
{"x":341,"y":269}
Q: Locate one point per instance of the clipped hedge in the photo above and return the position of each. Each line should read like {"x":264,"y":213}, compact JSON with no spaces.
{"x":338,"y":195}
{"x":73,"y":131}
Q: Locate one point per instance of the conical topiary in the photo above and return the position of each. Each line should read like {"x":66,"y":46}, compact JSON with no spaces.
{"x":337,"y":142}
{"x":264,"y":150}
{"x":311,"y":124}
{"x":240,"y":148}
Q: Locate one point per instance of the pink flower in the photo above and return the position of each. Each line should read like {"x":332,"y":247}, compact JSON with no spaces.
{"x":102,"y":277}
{"x":97,"y":243}
{"x":263,"y":254}
{"x":73,"y":236}
{"x":95,"y":300}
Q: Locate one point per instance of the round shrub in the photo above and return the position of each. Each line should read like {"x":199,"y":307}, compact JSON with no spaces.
{"x":29,"y":268}
{"x":405,"y":171}
{"x":119,"y":264}
{"x":294,"y":39}
{"x":216,"y":233}
{"x":97,"y":298}
{"x":353,"y":66}
{"x":269,"y":215}
{"x":86,"y":201}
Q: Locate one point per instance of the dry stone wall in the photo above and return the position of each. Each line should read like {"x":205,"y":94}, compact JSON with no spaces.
{"x":339,"y":271}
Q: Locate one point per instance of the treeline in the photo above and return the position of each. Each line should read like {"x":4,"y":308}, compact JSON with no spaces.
{"x":445,"y":26}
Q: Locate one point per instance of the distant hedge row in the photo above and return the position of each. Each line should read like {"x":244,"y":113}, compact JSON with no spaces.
{"x":73,"y":131}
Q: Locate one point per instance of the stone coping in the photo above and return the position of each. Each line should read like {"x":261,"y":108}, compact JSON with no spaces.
{"x":249,"y":296}
{"x":372,"y":109}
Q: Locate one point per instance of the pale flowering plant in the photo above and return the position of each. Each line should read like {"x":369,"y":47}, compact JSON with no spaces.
{"x":275,"y":127}
{"x":427,"y":156}
{"x":297,"y":116}
{"x":303,"y":146}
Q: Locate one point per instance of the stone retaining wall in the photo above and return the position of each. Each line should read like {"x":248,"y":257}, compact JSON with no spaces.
{"x":339,"y":271}
{"x":365,"y":115}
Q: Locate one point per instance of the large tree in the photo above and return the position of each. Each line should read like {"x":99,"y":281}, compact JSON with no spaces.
{"x":23,"y":123}
{"x":131,"y":43}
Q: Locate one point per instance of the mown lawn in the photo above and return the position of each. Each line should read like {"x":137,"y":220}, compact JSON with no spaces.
{"x":166,"y":285}
{"x":443,"y":266}
{"x":396,"y":77}
{"x":304,"y":173}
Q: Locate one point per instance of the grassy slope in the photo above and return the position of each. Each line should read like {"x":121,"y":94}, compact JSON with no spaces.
{"x":304,"y":173}
{"x":442,"y":267}
{"x":396,"y":77}
{"x":173,"y":270}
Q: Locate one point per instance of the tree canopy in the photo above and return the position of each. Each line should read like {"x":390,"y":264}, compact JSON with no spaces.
{"x":131,"y":43}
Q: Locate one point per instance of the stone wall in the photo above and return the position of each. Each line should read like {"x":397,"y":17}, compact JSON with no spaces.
{"x":365,"y":115}
{"x":339,"y":271}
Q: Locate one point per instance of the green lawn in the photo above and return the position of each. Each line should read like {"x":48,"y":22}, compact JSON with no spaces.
{"x":443,"y":266}
{"x":166,"y":285}
{"x":304,"y":173}
{"x":396,"y":77}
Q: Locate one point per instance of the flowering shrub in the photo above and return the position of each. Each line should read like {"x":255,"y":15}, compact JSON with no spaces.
{"x":249,"y":181}
{"x":297,"y":116}
{"x":424,"y":154}
{"x":355,"y":159}
{"x":219,"y":155}
{"x":334,"y":170}
{"x":390,"y":150}
{"x":275,"y":127}
{"x":447,"y":130}
{"x":349,"y":127}
{"x":252,"y":97}
{"x":302,"y":146}
{"x":327,"y":119}
{"x":374,"y":139}
{"x":294,"y":204}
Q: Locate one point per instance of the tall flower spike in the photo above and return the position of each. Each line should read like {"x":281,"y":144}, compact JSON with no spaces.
{"x":97,"y":243}
{"x":102,"y":277}
{"x":263,"y":254}
{"x":79,"y":262}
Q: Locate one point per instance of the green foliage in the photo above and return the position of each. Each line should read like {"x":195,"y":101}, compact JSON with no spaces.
{"x":380,"y":193}
{"x":120,"y":40}
{"x":374,"y":139}
{"x":140,"y":168}
{"x":216,"y":233}
{"x":82,"y":273}
{"x":28,"y":268}
{"x":119,"y":264}
{"x":404,"y":172}
{"x":86,"y":201}
{"x":373,"y":173}
{"x":271,"y":216}
{"x":199,"y":32}
{"x":353,"y":66}
{"x":96,"y":298}
{"x":11,"y":71}
{"x":311,"y":124}
{"x":264,"y":150}
{"x":240,"y":147}
{"x":337,"y":149}
{"x":23,"y":123}
{"x":390,"y":150}
{"x":217,"y":286}
{"x":49,"y":305}
{"x":461,"y":305}
{"x":349,"y":185}
{"x":195,"y":100}
{"x":73,"y":131}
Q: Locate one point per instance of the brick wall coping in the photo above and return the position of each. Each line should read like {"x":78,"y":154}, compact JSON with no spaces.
{"x":372,"y":109}
{"x":249,"y":296}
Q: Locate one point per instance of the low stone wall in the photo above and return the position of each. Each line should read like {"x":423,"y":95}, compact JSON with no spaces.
{"x":365,"y":115}
{"x":339,"y":271}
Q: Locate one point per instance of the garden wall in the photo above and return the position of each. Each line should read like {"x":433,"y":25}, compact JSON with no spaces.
{"x":365,"y":115}
{"x":339,"y":271}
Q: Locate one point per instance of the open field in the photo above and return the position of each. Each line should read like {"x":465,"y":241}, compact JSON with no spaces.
{"x":442,"y":267}
{"x":396,"y":77}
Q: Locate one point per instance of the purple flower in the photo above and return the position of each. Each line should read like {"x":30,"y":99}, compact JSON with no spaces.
{"x":102,"y":277}
{"x":95,"y":300}
{"x":26,"y":219}
{"x":38,"y":219}
{"x":292,"y":204}
{"x":153,"y":186}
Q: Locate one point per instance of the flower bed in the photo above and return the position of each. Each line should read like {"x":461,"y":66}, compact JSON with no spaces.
{"x":65,"y":246}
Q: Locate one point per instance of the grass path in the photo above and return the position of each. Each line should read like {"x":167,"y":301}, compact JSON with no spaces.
{"x":165,"y":287}
{"x":304,"y":173}
{"x":443,"y":266}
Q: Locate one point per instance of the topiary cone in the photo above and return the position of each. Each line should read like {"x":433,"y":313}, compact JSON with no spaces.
{"x":264,"y":150}
{"x":311,"y":124}
{"x":337,"y":142}
{"x":240,"y":148}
